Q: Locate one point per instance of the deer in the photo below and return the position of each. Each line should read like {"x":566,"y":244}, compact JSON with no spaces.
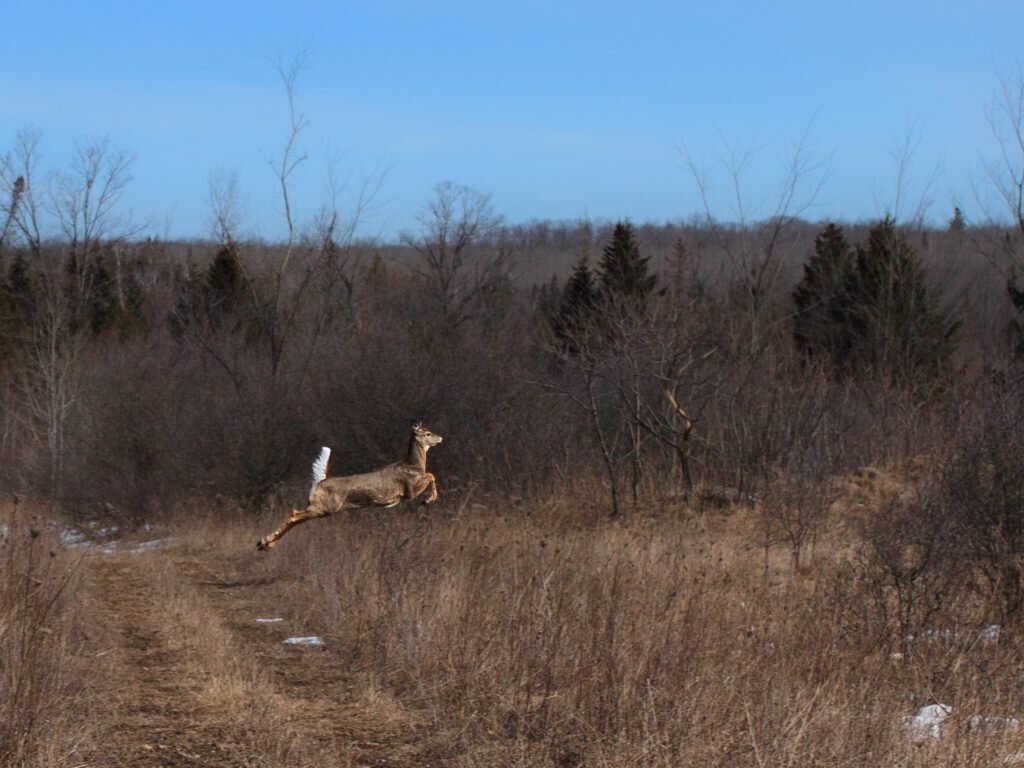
{"x":386,"y":487}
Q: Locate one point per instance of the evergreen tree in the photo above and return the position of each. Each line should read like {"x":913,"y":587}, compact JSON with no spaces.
{"x":208,"y":299}
{"x":818,"y":298}
{"x":870,"y":312}
{"x":224,"y":284}
{"x":576,"y":308}
{"x":957,"y":222}
{"x":895,"y":326}
{"x":188,"y":305}
{"x":546,"y":299}
{"x":18,"y":295}
{"x":1017,"y":323}
{"x":681,"y":274}
{"x":103,"y":308}
{"x":624,"y":274}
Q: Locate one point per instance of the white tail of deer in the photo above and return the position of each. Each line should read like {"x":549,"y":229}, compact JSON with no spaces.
{"x":391,"y":485}
{"x":319,"y":469}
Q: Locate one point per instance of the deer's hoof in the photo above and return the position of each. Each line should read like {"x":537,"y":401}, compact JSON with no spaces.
{"x":262,"y":545}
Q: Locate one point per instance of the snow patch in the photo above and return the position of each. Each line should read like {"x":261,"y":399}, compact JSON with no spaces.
{"x":143,"y":546}
{"x":994,"y":724}
{"x":269,"y":621}
{"x":311,"y":640}
{"x":987,"y":636}
{"x":72,"y":537}
{"x":928,"y":723}
{"x":114,"y":547}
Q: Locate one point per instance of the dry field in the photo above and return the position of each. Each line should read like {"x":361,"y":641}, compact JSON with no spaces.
{"x":476,"y":635}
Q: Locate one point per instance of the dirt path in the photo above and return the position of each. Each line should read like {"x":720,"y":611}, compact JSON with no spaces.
{"x":189,"y":678}
{"x":151,"y":710}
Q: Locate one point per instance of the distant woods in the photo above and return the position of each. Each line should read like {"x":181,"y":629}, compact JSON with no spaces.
{"x":137,"y":372}
{"x":660,"y":363}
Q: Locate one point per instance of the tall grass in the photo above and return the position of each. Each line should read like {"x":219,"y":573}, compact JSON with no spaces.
{"x":41,"y":673}
{"x":549,"y":638}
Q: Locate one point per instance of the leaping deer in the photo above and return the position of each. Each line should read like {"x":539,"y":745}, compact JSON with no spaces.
{"x":391,"y":485}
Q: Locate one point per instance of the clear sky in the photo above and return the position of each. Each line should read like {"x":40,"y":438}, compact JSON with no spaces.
{"x":559,"y":110}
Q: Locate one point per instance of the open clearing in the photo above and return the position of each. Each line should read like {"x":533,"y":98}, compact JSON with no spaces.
{"x":191,"y":678}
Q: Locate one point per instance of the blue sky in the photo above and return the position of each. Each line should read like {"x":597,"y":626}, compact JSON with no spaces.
{"x":558,"y":110}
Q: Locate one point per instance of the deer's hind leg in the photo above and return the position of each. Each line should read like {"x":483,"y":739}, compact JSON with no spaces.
{"x":295,"y":517}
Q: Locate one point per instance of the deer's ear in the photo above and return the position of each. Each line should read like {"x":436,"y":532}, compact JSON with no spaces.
{"x":417,"y":425}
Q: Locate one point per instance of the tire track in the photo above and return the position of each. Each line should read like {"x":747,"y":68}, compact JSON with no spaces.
{"x":189,"y":679}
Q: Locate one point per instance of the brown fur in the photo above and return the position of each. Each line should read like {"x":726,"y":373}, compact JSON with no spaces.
{"x":391,"y":485}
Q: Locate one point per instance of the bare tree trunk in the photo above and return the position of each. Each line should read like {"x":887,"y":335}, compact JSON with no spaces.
{"x":50,"y":385}
{"x":606,"y":451}
{"x":636,"y":435}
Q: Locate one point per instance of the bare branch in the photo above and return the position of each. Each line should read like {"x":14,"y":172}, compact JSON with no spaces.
{"x":226,"y":206}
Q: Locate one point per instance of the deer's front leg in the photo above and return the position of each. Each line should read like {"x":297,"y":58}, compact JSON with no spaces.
{"x":428,"y":481}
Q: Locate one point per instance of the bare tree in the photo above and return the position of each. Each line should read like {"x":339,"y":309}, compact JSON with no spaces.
{"x":585,"y":379}
{"x":50,"y":380}
{"x":10,"y":209}
{"x":18,"y":170}
{"x":84,"y":199}
{"x":908,"y":204}
{"x":85,"y":202}
{"x":464,"y":254}
{"x":1005,"y":173}
{"x":752,"y":242}
{"x":226,"y":206}
{"x":318,"y":254}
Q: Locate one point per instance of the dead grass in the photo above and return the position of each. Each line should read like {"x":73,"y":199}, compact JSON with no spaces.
{"x":42,"y":680}
{"x":546,"y":636}
{"x":534,"y":640}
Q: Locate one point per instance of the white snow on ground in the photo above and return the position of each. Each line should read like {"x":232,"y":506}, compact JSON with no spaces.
{"x":312,"y":640}
{"x":987,"y":636}
{"x":928,"y":723}
{"x":990,"y":634}
{"x":72,"y":537}
{"x":269,"y":621}
{"x":142,"y":546}
{"x":994,"y":724}
{"x":102,"y":540}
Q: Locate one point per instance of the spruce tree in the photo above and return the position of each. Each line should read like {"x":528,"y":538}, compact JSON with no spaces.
{"x":624,"y":274}
{"x":819,"y":298}
{"x":224,"y":283}
{"x":895,"y":326}
{"x":18,"y":295}
{"x":870,"y":312}
{"x":957,"y":223}
{"x":1017,"y":323}
{"x":103,"y":308}
{"x":576,"y":308}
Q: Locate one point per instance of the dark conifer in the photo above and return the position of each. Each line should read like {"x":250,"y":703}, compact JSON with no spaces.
{"x":895,"y":325}
{"x":224,"y":283}
{"x":576,"y":308}
{"x":1017,"y":323}
{"x":103,"y":308}
{"x":871,"y":312}
{"x":818,"y":298}
{"x":624,"y":274}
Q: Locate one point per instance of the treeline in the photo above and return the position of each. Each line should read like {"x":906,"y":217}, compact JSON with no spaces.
{"x":647,"y":360}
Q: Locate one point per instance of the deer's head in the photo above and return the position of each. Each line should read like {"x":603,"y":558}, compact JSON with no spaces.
{"x":424,"y":436}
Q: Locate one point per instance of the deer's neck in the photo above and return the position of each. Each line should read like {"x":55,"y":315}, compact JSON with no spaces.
{"x":417,"y":456}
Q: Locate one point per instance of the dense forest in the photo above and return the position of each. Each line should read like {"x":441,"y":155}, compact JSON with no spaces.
{"x":652,"y":360}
